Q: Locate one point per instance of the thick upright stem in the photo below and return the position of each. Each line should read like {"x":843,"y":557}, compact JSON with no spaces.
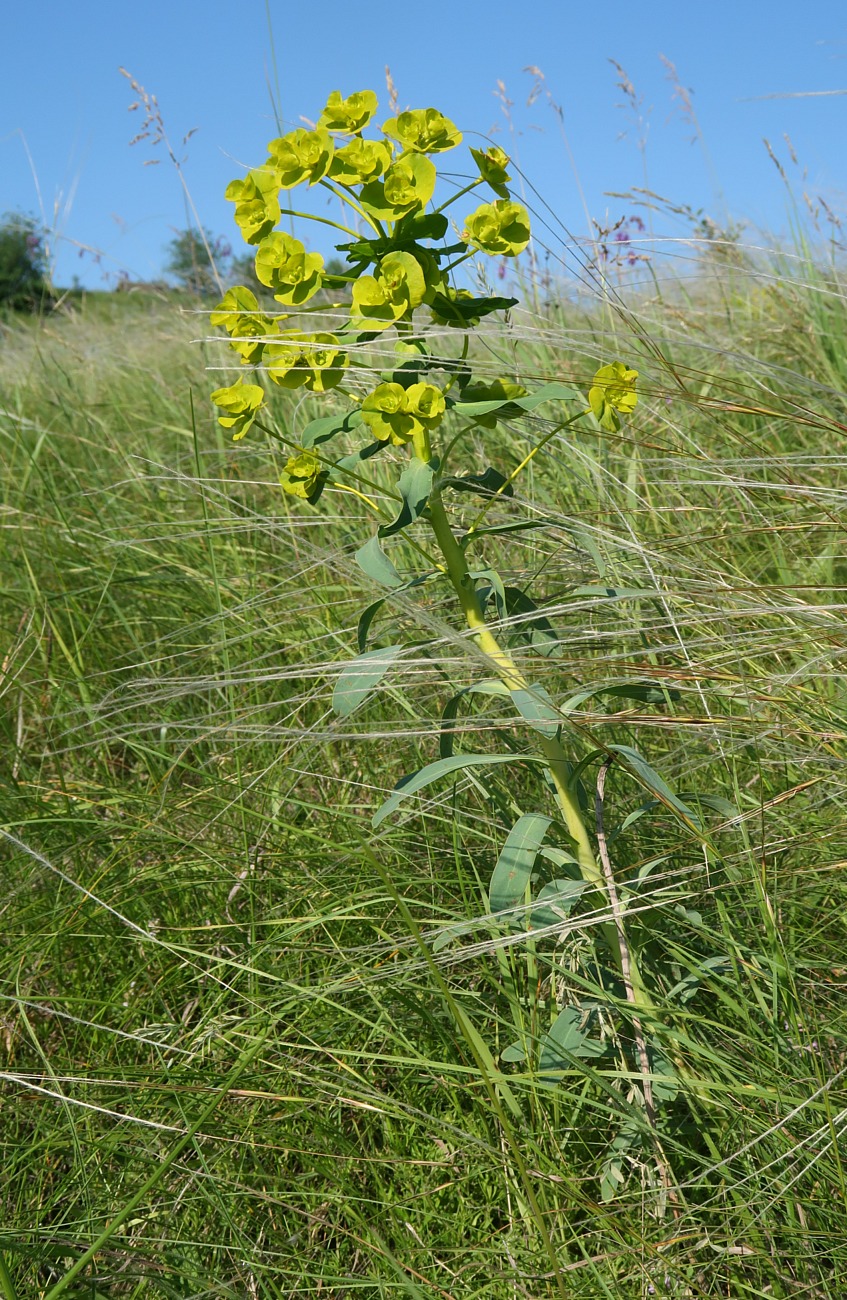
{"x":551,"y":747}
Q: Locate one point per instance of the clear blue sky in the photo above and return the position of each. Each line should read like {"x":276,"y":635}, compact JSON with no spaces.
{"x":65,"y":126}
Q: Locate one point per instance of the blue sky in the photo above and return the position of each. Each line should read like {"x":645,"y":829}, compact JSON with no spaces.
{"x":64,"y":138}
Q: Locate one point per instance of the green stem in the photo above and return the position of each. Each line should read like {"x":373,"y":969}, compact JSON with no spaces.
{"x":325,"y":221}
{"x":346,"y":196}
{"x":551,"y":746}
{"x":467,"y":189}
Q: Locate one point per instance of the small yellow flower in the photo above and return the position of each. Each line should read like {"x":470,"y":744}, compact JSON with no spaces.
{"x":613,"y":391}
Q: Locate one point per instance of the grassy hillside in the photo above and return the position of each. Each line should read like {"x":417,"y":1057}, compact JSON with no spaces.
{"x":235,"y":1051}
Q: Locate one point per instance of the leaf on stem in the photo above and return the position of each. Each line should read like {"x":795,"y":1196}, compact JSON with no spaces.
{"x":425,"y":776}
{"x":512,"y":873}
{"x":414,"y":485}
{"x":361,"y":677}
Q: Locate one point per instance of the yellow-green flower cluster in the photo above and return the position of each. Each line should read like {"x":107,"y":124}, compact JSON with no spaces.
{"x":500,"y":228}
{"x":350,"y":115}
{"x":239,"y":404}
{"x":303,"y":475}
{"x":283,"y":264}
{"x":423,"y":130}
{"x":301,"y":156}
{"x":613,"y":391}
{"x":360,"y":161}
{"x":256,"y":200}
{"x":398,"y":286}
{"x":313,"y":361}
{"x":395,"y":414}
{"x":238,"y":313}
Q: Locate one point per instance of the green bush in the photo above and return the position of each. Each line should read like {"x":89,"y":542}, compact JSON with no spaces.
{"x":24,"y":271}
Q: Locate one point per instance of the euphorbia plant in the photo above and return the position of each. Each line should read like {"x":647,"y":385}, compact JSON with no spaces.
{"x":403,"y":261}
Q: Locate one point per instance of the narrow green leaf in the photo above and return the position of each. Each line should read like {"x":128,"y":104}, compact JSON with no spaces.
{"x":448,"y":718}
{"x":373,"y":561}
{"x":446,"y":936}
{"x":647,"y":776}
{"x":614,"y":593}
{"x":414,"y":485}
{"x":537,"y":708}
{"x":434,"y":771}
{"x":493,"y":588}
{"x":364,"y":625}
{"x":327,"y":427}
{"x":484,"y":1055}
{"x":453,"y":309}
{"x":531,"y":626}
{"x":517,"y":858}
{"x":486,"y":484}
{"x":547,"y":393}
{"x":647,"y":693}
{"x":555,"y":902}
{"x":518,"y":526}
{"x":565,"y":1039}
{"x":361,"y":676}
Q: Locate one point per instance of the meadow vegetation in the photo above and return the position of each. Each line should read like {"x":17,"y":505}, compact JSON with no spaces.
{"x":252,"y":1047}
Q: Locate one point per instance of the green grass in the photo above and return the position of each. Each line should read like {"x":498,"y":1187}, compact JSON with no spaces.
{"x":229,"y":1056}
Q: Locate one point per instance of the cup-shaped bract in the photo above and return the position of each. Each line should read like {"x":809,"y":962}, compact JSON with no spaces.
{"x":360,"y":161}
{"x":283,"y":264}
{"x":239,"y":404}
{"x":304,"y":476}
{"x":395,"y":414}
{"x":426,"y":403}
{"x":408,"y":186}
{"x":492,"y":163}
{"x":256,"y":200}
{"x":612,"y":391}
{"x":423,"y":130}
{"x":500,"y":228}
{"x":397,"y":288}
{"x":284,"y":360}
{"x":326,"y":361}
{"x":349,"y":115}
{"x":385,"y":413}
{"x":301,"y":156}
{"x":238,"y":313}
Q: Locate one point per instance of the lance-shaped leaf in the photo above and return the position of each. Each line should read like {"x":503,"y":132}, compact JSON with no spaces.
{"x":492,"y":686}
{"x":414,"y":486}
{"x":487,"y":484}
{"x":321,"y":430}
{"x":555,"y":902}
{"x":536,"y":707}
{"x":646,"y":693}
{"x":373,"y":561}
{"x":531,"y":626}
{"x":368,"y":615}
{"x":493,"y":590}
{"x":460,"y":308}
{"x":659,"y":787}
{"x":425,"y":776}
{"x":361,"y":677}
{"x":568,"y":1037}
{"x":517,"y":858}
{"x":553,"y":392}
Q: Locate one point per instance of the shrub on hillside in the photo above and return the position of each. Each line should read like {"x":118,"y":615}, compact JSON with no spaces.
{"x":24,"y":271}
